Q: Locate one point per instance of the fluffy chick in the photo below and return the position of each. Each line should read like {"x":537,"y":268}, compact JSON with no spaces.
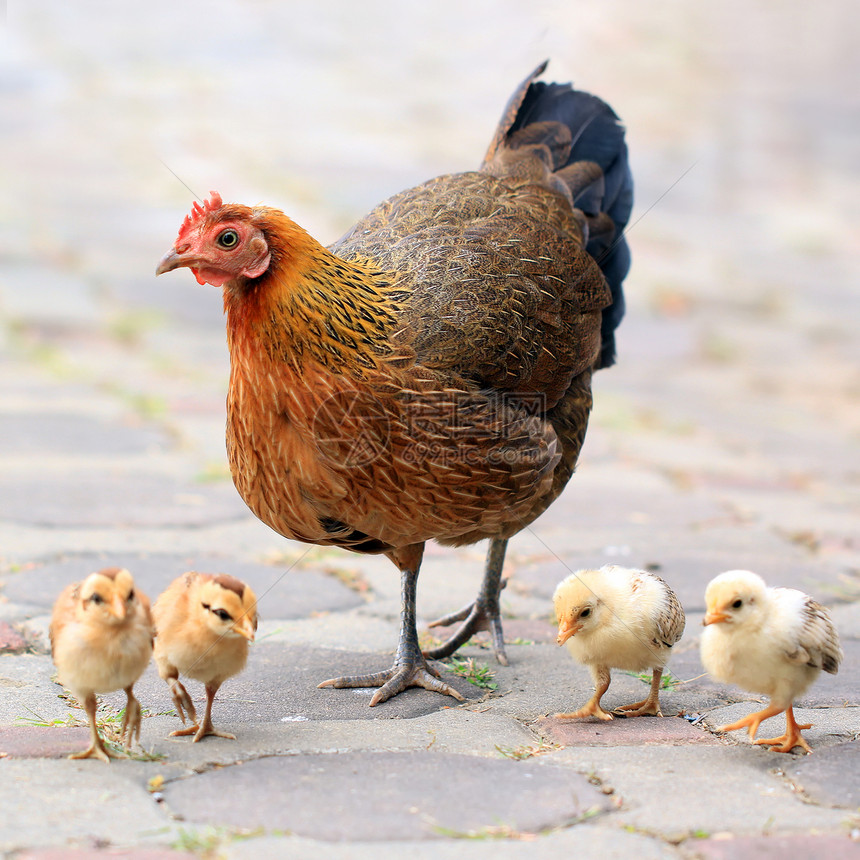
{"x":101,"y":641}
{"x":204,"y":624}
{"x":767,"y":640}
{"x":618,"y":618}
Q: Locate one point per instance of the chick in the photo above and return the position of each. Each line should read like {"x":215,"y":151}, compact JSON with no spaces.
{"x":203,"y":625}
{"x":101,"y":640}
{"x":617,"y":618}
{"x":767,"y":640}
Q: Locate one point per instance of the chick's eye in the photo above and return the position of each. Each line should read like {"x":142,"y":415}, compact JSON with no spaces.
{"x":223,"y":614}
{"x":97,"y":598}
{"x":737,"y":604}
{"x":585,"y":613}
{"x":130,"y":595}
{"x":228,"y":239}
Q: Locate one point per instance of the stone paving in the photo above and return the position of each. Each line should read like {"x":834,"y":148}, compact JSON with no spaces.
{"x":727,"y":436}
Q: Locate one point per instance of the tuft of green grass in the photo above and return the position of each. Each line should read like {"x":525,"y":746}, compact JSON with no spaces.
{"x":667,"y":682}
{"x":475,"y":673}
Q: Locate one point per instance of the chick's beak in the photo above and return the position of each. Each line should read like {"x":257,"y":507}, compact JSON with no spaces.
{"x":714,"y":617}
{"x":565,"y":630}
{"x":117,"y":607}
{"x":246,"y":629}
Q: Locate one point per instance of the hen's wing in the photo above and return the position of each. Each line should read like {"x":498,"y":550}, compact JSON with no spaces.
{"x":492,"y":280}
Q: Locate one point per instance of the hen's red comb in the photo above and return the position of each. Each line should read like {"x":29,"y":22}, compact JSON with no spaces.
{"x":198,"y":211}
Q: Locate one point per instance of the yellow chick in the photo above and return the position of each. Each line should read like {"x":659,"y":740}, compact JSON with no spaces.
{"x":101,"y":641}
{"x":617,"y":618}
{"x":203,"y":625}
{"x":767,"y":640}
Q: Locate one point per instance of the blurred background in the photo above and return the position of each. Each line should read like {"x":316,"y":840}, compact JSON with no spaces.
{"x":738,"y":384}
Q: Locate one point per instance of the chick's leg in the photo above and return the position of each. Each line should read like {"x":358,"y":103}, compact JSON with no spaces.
{"x":792,"y":737}
{"x":592,"y":707}
{"x":181,"y":700}
{"x":753,"y":721}
{"x":410,"y":669}
{"x":483,"y":614}
{"x":130,"y":730}
{"x":96,"y":748}
{"x":649,"y":706}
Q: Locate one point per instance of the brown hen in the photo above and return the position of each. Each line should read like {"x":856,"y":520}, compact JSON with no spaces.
{"x":428,"y":376}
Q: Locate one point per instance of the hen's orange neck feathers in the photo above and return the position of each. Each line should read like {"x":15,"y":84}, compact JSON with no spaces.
{"x":310,"y":303}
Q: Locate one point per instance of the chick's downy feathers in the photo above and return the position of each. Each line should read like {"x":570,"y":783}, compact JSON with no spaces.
{"x":766,"y":640}
{"x":101,"y":641}
{"x":204,"y":624}
{"x":618,"y":618}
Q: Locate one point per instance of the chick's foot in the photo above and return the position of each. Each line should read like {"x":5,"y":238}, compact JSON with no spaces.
{"x":792,"y":737}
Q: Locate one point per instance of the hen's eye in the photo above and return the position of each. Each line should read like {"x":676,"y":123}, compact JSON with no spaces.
{"x":737,"y":604}
{"x":228,"y":239}
{"x":223,"y":614}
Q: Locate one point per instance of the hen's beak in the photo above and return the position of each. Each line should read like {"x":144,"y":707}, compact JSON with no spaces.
{"x":565,"y":630}
{"x":172,"y":260}
{"x":714,"y":617}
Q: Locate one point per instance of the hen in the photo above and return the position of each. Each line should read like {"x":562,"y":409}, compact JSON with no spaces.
{"x":428,"y":376}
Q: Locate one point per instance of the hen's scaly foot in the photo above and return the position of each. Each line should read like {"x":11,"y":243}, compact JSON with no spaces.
{"x":482,"y":614}
{"x":395,"y":680}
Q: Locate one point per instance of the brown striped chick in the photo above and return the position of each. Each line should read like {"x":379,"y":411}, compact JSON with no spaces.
{"x":767,"y":640}
{"x":203,"y":624}
{"x":101,"y":641}
{"x":617,"y":618}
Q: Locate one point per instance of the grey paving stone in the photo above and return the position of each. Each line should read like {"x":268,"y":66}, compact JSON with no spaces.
{"x":42,"y":742}
{"x":281,"y":593}
{"x":677,"y":791}
{"x":583,"y":841}
{"x":60,"y":433}
{"x":109,"y":804}
{"x":801,"y":847}
{"x":134,"y":498}
{"x":373,"y":796}
{"x":623,"y":731}
{"x":830,"y":776}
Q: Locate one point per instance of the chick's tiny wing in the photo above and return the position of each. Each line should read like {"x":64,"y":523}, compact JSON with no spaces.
{"x":818,"y":643}
{"x":671,"y":619}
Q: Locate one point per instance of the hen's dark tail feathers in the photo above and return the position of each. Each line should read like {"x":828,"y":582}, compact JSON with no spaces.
{"x":604,"y":195}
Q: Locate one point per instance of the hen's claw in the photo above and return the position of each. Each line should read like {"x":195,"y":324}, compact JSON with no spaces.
{"x":395,"y":680}
{"x":482,"y":614}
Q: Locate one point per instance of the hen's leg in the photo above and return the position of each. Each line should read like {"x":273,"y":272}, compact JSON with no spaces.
{"x":592,"y":707}
{"x":410,"y":669}
{"x":483,"y":614}
{"x":792,"y":737}
{"x":649,"y":706}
